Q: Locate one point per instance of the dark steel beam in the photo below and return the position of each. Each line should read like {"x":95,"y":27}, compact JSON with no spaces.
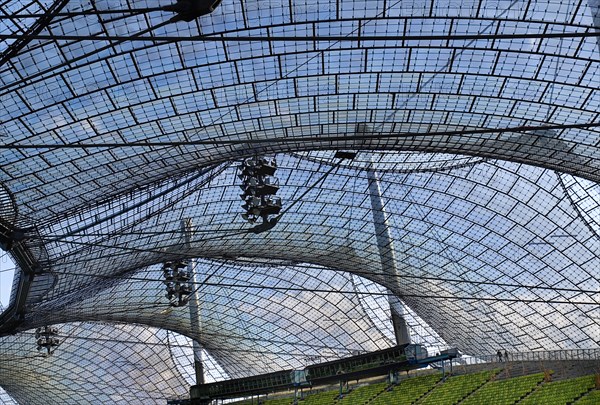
{"x":352,"y":38}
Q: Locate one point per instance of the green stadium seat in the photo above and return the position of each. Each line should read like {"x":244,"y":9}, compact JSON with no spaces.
{"x":591,"y":398}
{"x":362,"y":394}
{"x":505,"y":392}
{"x":321,"y":398}
{"x":467,"y":389}
{"x":560,"y":392}
{"x":408,"y":391}
{"x":455,"y":388}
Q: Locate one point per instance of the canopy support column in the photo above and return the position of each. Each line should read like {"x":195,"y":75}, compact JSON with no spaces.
{"x":194,"y":303}
{"x":386,"y":254}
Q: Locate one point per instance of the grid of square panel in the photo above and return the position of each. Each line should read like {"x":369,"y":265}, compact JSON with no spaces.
{"x":485,"y":143}
{"x":93,"y":91}
{"x":94,"y":363}
{"x":495,"y":241}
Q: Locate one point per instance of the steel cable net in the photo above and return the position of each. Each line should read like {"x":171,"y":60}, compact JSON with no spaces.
{"x":94,"y":363}
{"x":477,"y":120}
{"x":478,"y":248}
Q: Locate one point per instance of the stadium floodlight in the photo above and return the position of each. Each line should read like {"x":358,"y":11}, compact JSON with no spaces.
{"x":272,"y":205}
{"x":266,"y":166}
{"x":259,"y":187}
{"x":270,"y":185}
{"x":46,"y":338}
{"x":177,"y":282}
{"x":189,"y":10}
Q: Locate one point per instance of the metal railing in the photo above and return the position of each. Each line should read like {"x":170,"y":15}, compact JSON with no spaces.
{"x":553,"y":355}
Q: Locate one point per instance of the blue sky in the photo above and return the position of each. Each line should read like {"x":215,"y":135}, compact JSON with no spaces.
{"x":6,"y":277}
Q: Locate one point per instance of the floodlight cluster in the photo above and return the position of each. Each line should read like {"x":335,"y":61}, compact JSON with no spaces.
{"x":177,"y":282}
{"x":190,"y":10}
{"x":259,"y":186}
{"x":46,"y":338}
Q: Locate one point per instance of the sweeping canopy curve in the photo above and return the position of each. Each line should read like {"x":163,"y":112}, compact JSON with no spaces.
{"x":478,"y":121}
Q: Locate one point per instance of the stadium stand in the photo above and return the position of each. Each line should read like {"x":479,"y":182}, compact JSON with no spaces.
{"x":505,"y":392}
{"x":362,"y":394}
{"x":408,"y":391}
{"x":591,"y":398}
{"x":561,"y":392}
{"x":456,"y":388}
{"x":478,"y":388}
{"x":279,"y":401}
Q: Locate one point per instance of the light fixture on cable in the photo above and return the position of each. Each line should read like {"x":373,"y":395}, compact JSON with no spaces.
{"x":190,"y":10}
{"x":46,"y":338}
{"x":259,"y":186}
{"x":177,"y":281}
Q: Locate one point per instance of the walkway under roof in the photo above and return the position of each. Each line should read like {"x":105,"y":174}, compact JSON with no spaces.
{"x":477,"y":120}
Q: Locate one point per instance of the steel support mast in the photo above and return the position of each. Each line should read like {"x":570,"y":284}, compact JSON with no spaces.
{"x":387,"y":256}
{"x":194,"y":303}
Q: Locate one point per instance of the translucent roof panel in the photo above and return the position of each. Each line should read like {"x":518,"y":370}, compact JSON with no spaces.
{"x":96,"y":363}
{"x":253,"y":319}
{"x":5,"y":399}
{"x":471,"y":207}
{"x":484,"y":237}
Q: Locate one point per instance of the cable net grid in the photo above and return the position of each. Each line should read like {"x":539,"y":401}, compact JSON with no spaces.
{"x":474,"y":232}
